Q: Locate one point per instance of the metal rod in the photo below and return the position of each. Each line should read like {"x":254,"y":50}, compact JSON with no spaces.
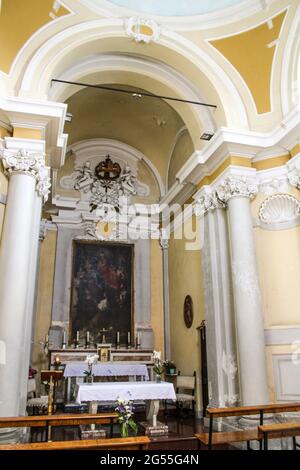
{"x":133,"y":92}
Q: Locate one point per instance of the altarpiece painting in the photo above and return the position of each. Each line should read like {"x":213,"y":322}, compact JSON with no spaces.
{"x":102,"y":290}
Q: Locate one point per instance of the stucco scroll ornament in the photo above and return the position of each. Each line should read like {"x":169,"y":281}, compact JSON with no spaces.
{"x":207,"y":202}
{"x":237,"y":186}
{"x":142,"y":30}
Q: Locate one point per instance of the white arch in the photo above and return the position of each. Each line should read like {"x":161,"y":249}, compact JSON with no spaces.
{"x":161,"y":73}
{"x":118,"y":150}
{"x":82,"y":39}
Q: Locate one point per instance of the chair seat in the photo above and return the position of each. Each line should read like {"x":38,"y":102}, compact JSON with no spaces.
{"x":184,"y":397}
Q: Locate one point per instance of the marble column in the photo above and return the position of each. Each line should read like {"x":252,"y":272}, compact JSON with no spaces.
{"x":164,"y":243}
{"x":219,"y":312}
{"x":236,"y":192}
{"x":28,"y":181}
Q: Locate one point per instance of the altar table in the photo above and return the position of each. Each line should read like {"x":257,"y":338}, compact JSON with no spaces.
{"x":108,"y":369}
{"x":152,"y":392}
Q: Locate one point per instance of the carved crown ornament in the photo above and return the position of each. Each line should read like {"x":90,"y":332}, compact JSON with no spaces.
{"x":28,"y":163}
{"x":107,"y":185}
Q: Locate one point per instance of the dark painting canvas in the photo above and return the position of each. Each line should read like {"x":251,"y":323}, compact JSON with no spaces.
{"x":102,"y":290}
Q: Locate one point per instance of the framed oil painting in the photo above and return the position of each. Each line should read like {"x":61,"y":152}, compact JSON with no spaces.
{"x":102,"y":290}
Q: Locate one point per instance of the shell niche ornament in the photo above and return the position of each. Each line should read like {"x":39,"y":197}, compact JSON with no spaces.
{"x":188,"y":311}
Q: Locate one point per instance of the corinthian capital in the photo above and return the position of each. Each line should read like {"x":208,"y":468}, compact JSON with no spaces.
{"x":28,"y":163}
{"x":22,"y":161}
{"x":237,"y":186}
{"x":207,"y":202}
{"x":294,"y":178}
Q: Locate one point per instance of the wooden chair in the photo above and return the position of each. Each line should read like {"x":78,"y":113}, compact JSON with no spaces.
{"x":185,"y":391}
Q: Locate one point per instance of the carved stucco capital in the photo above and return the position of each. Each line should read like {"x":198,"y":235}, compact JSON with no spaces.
{"x":28,"y":163}
{"x":294,"y":178}
{"x":236,"y":186}
{"x":207,"y":202}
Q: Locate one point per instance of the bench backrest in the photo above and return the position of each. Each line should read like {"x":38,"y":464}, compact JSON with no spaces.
{"x":253,"y":410}
{"x":130,"y":443}
{"x":57,"y":420}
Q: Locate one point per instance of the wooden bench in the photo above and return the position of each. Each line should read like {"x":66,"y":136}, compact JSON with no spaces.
{"x":45,"y":421}
{"x":124,"y":443}
{"x":278,"y":431}
{"x":213,"y":438}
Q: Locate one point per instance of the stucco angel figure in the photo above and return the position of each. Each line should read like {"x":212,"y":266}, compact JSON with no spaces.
{"x":85,"y":178}
{"x":127,"y":181}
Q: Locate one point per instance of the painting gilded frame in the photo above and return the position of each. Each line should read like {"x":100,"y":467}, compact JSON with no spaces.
{"x":119,"y":259}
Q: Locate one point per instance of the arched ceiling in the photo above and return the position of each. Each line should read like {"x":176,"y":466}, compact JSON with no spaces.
{"x":147,"y":124}
{"x":171,"y":8}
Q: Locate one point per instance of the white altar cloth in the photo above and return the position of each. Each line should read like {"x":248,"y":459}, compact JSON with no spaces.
{"x":111,"y":391}
{"x":74,"y":369}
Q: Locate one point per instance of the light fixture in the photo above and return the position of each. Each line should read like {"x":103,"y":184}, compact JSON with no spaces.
{"x":206,"y":136}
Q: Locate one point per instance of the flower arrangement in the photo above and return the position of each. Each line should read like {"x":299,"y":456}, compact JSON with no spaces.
{"x":124,"y":409}
{"x":158,"y":367}
{"x":91,"y":359}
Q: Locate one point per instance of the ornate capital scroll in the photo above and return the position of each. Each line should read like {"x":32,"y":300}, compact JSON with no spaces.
{"x":236,"y":186}
{"x":207,"y":202}
{"x":28,"y":163}
{"x":294,"y":178}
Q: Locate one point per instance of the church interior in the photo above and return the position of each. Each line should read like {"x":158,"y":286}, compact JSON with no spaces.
{"x":149,"y":224}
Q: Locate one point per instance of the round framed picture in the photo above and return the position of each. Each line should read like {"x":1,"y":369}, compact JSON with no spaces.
{"x":188,"y":311}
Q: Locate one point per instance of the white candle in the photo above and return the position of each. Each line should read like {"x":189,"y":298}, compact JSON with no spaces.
{"x":118,"y":336}
{"x":64,"y":337}
{"x":77,"y":335}
{"x":138,"y":338}
{"x":46,"y":338}
{"x":128,"y":337}
{"x":87,"y":336}
{"x":154,"y":420}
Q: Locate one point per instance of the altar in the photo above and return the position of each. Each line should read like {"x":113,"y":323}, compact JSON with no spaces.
{"x":151,"y":392}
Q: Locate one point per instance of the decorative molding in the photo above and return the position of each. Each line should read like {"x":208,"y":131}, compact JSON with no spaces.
{"x":236,"y":186}
{"x":134,"y":28}
{"x":279,"y":208}
{"x":275,"y":336}
{"x":294,"y":178}
{"x":286,"y":377}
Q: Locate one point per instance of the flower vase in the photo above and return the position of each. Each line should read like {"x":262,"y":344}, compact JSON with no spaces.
{"x":158,"y":378}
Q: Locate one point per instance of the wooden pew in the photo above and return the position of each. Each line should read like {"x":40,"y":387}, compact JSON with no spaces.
{"x":278,"y":431}
{"x":124,"y":443}
{"x":44,"y":421}
{"x":213,"y":438}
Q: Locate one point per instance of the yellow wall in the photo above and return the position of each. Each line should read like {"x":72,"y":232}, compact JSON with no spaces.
{"x":44,"y":299}
{"x":18,"y":22}
{"x":185,"y":277}
{"x":278,"y":255}
{"x":157,"y":312}
{"x":251,"y":53}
